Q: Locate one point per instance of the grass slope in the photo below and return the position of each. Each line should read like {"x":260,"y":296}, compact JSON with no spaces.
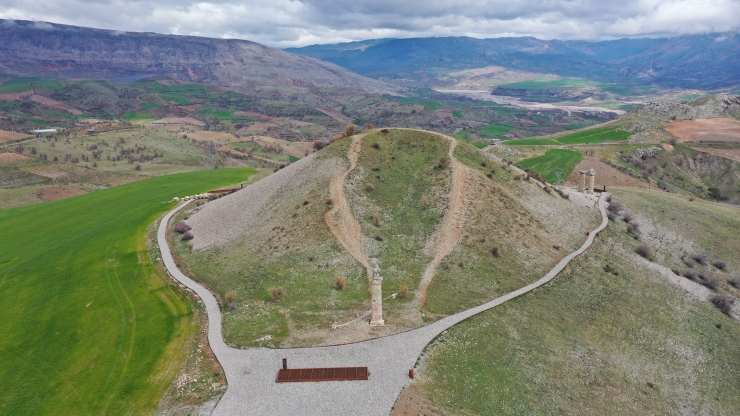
{"x":598,"y":340}
{"x":597,"y":135}
{"x":555,"y":165}
{"x":88,"y":326}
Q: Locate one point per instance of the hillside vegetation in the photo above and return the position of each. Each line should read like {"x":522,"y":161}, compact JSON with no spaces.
{"x":514,"y":231}
{"x":89,"y":325}
{"x":611,"y":335}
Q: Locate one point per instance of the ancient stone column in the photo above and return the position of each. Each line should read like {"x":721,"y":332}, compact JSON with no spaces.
{"x":376,"y":317}
{"x":583,"y":181}
{"x":591,"y":175}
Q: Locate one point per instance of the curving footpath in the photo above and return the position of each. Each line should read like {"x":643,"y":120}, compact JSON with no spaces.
{"x":251,"y":373}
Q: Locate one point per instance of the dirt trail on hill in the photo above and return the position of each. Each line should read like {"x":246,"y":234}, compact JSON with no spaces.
{"x":339,"y":218}
{"x":445,"y":239}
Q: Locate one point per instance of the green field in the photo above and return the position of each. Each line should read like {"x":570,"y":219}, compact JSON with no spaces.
{"x":27,"y":84}
{"x":597,"y":135}
{"x":138,"y":118}
{"x":89,"y":326}
{"x":546,"y":84}
{"x":555,"y":165}
{"x":149,"y":105}
{"x":494,"y":131}
{"x":458,"y":114}
{"x":531,"y":142}
{"x":222,"y":114}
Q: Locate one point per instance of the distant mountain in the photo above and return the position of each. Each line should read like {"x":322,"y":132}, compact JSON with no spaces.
{"x":59,"y":51}
{"x":699,"y":61}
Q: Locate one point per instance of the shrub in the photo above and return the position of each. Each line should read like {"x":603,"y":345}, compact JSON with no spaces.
{"x":376,"y":220}
{"x":734,"y":281}
{"x":720,"y":264}
{"x":187,"y":236}
{"x":181,"y":227}
{"x":340,"y":283}
{"x":722,"y":302}
{"x":444,"y":161}
{"x":378,"y":237}
{"x":691,"y":274}
{"x":138,"y":167}
{"x":709,"y":281}
{"x":496,"y":252}
{"x":700,"y":258}
{"x":369,"y":187}
{"x":403,"y":291}
{"x":318,"y":144}
{"x":461,"y":265}
{"x":376,"y":145}
{"x":384,"y":131}
{"x":633,"y":229}
{"x":230,"y":299}
{"x":690,"y":263}
{"x":369,"y":126}
{"x":276,"y":293}
{"x":424,"y":201}
{"x":329,"y":201}
{"x":644,"y":251}
{"x":628,"y":217}
{"x":489,"y":175}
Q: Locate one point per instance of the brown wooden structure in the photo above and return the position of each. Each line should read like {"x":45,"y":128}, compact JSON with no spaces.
{"x":287,"y":375}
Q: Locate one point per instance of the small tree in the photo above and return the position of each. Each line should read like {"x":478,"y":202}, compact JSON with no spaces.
{"x":720,"y":264}
{"x":734,"y":281}
{"x":495,"y":251}
{"x":369,"y":126}
{"x":340,"y":283}
{"x":444,"y":161}
{"x":231,"y":299}
{"x":187,"y":236}
{"x":348,"y":131}
{"x":376,"y":220}
{"x":700,"y":258}
{"x":182,"y":227}
{"x":369,"y":187}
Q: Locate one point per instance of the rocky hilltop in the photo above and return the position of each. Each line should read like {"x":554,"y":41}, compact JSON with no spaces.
{"x":68,"y":52}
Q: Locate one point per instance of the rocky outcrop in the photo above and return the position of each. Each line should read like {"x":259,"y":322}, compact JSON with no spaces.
{"x":69,"y":52}
{"x":721,"y":105}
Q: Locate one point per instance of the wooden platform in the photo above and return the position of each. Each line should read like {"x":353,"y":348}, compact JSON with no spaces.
{"x":287,"y":375}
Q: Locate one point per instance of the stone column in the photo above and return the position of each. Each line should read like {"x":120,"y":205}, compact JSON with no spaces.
{"x":583,"y":181}
{"x":376,"y":317}
{"x":591,"y":175}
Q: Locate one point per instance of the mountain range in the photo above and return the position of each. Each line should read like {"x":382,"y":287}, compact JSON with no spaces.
{"x":692,"y":61}
{"x":49,"y":50}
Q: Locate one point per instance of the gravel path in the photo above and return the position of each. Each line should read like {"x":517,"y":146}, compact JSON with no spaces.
{"x":224,"y":219}
{"x":251,"y":373}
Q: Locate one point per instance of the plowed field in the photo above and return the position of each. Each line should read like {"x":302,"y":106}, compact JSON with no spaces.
{"x":706,"y":129}
{"x":605,"y":175}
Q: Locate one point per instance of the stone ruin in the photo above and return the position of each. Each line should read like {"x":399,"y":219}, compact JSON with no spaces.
{"x":591,"y":174}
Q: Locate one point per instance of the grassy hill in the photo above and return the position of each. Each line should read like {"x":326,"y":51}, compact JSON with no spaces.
{"x":611,"y":335}
{"x":89,"y":325}
{"x":399,"y":194}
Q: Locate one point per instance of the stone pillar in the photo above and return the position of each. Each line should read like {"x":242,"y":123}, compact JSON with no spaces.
{"x":376,"y":317}
{"x":591,"y":175}
{"x":583,"y":181}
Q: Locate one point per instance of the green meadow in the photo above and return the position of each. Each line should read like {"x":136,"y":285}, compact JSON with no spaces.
{"x":555,"y":165}
{"x":89,"y":326}
{"x":597,"y":135}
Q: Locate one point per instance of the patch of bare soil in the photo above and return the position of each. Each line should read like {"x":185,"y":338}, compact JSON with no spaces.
{"x":732,"y":154}
{"x":179,"y":120}
{"x":6,"y":136}
{"x":706,"y":129}
{"x":449,"y":233}
{"x":10,"y":158}
{"x":15,"y":97}
{"x":667,"y":147}
{"x":54,"y":193}
{"x":340,"y":219}
{"x":605,"y":175}
{"x":55,"y":104}
{"x":411,"y":402}
{"x":297,"y":149}
{"x":258,"y":127}
{"x":212,"y":136}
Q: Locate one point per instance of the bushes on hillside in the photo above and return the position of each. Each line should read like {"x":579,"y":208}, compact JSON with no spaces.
{"x":723,"y":302}
{"x":720,"y":264}
{"x":340,"y":283}
{"x":182,"y":227}
{"x":644,"y":251}
{"x":231,"y":299}
{"x":444,"y":161}
{"x":403,"y":292}
{"x":187,"y":235}
{"x":700,"y":258}
{"x":734,"y":281}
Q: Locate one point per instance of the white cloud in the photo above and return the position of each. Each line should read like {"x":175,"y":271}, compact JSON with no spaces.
{"x":285,"y":23}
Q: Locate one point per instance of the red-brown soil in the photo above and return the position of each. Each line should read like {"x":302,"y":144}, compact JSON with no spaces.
{"x":6,"y":136}
{"x":706,"y":129}
{"x":55,"y":104}
{"x":7,"y":158}
{"x":605,"y":175}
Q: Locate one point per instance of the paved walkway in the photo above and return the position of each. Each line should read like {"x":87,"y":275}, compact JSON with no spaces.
{"x":251,"y":373}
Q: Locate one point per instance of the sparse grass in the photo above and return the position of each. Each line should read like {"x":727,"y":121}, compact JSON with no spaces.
{"x":494,"y":131}
{"x":95,"y":329}
{"x":582,"y":338}
{"x":554,"y":166}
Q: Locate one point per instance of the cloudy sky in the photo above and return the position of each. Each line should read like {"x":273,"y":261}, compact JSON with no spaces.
{"x":284,"y":23}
